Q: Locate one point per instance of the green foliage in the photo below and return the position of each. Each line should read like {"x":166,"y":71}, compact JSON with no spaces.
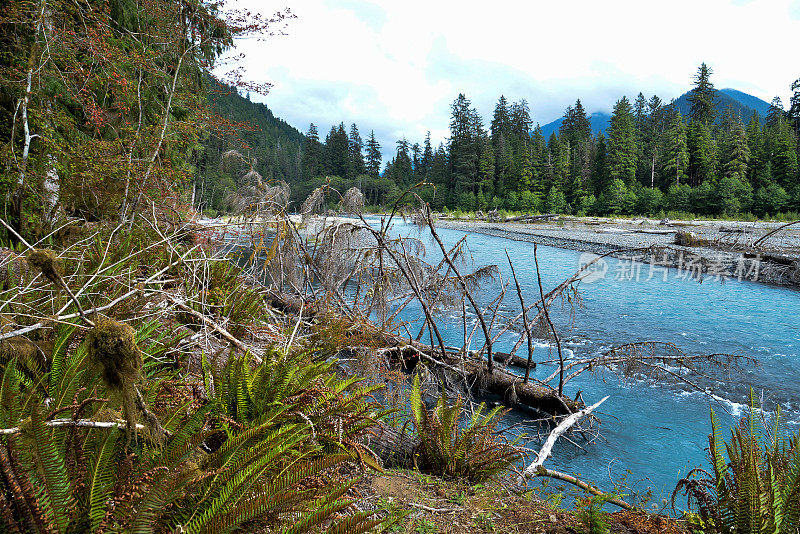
{"x":754,"y":484}
{"x":245,"y":458}
{"x":555,"y":203}
{"x":591,"y":515}
{"x":223,"y":292}
{"x":297,"y":389}
{"x":475,"y":452}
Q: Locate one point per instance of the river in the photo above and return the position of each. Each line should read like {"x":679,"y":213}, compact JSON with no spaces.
{"x":651,"y":434}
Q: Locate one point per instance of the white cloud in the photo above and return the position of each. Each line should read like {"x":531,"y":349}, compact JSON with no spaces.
{"x":396,"y":66}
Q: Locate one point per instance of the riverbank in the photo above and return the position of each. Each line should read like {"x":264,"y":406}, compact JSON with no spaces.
{"x":718,"y":249}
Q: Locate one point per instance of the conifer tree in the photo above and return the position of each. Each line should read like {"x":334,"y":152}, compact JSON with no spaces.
{"x":702,"y":97}
{"x":755,"y":145}
{"x":676,"y":152}
{"x":735,"y":154}
{"x":356,"y":160}
{"x":337,"y":151}
{"x":402,"y":166}
{"x":538,"y":159}
{"x":374,"y":158}
{"x":465,"y":126}
{"x":776,"y":112}
{"x":702,"y":152}
{"x":312,"y":154}
{"x":416,"y":159}
{"x":794,"y":107}
{"x":427,"y":156}
{"x":784,"y":155}
{"x":600,"y":179}
{"x":622,"y":143}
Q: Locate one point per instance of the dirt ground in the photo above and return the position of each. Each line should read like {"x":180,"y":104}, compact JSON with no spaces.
{"x":433,"y":505}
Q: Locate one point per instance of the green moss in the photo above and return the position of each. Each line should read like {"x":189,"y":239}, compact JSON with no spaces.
{"x":47,"y":262}
{"x":112,"y":349}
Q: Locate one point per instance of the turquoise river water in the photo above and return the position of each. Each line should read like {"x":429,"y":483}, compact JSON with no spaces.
{"x":658,"y":432}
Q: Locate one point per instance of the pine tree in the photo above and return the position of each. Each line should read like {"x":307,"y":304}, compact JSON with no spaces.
{"x":427,"y":156}
{"x":600,"y":179}
{"x":702,"y":97}
{"x":416,"y":159}
{"x":776,"y":112}
{"x":465,"y":126}
{"x":784,"y":155}
{"x":312,"y":154}
{"x":538,"y":160}
{"x":653,"y":137}
{"x":755,"y":144}
{"x":337,"y":151}
{"x":676,"y":152}
{"x":501,"y":121}
{"x":356,"y":160}
{"x":622,"y":143}
{"x":794,"y":107}
{"x":702,"y":152}
{"x":735,"y":153}
{"x":374,"y":158}
{"x":402,"y":166}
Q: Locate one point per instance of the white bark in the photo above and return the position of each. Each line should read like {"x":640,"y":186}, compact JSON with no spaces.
{"x":532,"y":470}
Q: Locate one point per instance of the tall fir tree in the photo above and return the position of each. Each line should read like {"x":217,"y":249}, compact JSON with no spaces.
{"x":600,"y":179}
{"x":654,"y":137}
{"x":356,"y":161}
{"x":337,"y":151}
{"x":702,"y":98}
{"x":465,"y":127}
{"x":784,"y":155}
{"x":702,"y":153}
{"x":622,"y":143}
{"x":776,"y":113}
{"x":676,"y":151}
{"x":374,"y":158}
{"x":735,"y":153}
{"x":312,"y":154}
{"x":427,"y":155}
{"x":755,"y":145}
{"x":794,"y":107}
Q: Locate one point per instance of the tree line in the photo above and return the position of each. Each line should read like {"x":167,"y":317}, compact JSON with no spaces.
{"x":650,"y":160}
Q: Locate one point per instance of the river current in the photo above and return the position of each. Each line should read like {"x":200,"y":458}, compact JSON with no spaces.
{"x":656,"y":432}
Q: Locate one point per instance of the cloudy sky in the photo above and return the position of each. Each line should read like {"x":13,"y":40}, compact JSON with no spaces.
{"x":395,"y":66}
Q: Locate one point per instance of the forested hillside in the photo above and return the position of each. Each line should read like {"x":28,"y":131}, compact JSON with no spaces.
{"x":269,"y":146}
{"x":707,"y":160}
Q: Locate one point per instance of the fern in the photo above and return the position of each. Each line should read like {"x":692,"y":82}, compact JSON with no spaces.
{"x":755,"y":478}
{"x":474,"y":452}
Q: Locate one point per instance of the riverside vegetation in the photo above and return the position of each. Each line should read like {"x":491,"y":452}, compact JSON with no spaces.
{"x":148,"y":384}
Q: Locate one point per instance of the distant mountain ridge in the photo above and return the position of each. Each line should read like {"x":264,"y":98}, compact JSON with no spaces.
{"x":742,"y":103}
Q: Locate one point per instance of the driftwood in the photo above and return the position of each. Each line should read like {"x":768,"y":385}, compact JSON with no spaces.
{"x":547,"y":448}
{"x":537,"y":468}
{"x":531,"y":218}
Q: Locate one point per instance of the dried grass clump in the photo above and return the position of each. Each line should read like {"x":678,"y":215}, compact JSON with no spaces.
{"x":47,"y":262}
{"x":112,"y":349}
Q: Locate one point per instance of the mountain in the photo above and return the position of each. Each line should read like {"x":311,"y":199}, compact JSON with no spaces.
{"x":599,"y":121}
{"x":742,"y":103}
